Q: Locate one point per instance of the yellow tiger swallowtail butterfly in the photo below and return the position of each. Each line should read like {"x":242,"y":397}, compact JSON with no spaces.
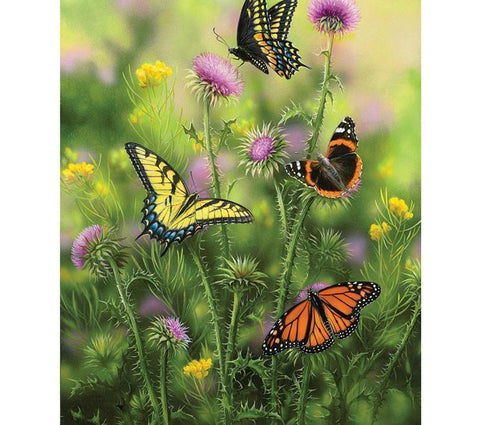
{"x":171,"y":213}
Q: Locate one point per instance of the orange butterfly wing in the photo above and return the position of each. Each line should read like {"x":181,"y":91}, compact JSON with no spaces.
{"x":291,"y":330}
{"x":342,"y":304}
{"x":320,"y":335}
{"x":312,"y":324}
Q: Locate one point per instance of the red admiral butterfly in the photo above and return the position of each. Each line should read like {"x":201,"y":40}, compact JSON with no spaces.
{"x":339,"y":170}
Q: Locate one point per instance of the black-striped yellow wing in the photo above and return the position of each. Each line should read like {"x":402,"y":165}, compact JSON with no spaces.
{"x":156,"y":174}
{"x":171,"y":213}
{"x":280,"y":17}
{"x":261,"y":37}
{"x":214,"y":211}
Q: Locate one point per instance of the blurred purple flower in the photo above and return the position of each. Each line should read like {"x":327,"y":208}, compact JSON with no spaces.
{"x":107,"y":75}
{"x":81,"y":244}
{"x":357,"y":245}
{"x":65,"y":241}
{"x":375,"y":116}
{"x":314,"y":287}
{"x":177,"y":329}
{"x":152,"y":306}
{"x":226,"y":162}
{"x":295,"y":135}
{"x":199,"y":176}
{"x":334,"y":16}
{"x":214,"y":77}
{"x":355,"y":188}
{"x":74,"y":341}
{"x":74,"y":57}
{"x":140,"y":8}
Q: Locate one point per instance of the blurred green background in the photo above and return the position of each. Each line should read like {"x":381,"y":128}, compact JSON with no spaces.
{"x":378,"y":64}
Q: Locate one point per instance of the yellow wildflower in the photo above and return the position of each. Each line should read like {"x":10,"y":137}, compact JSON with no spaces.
{"x":101,"y":189}
{"x":150,"y":75}
{"x":137,"y":116}
{"x":385,"y":227}
{"x":408,"y":264}
{"x":78,"y":172}
{"x":197,"y":147}
{"x":375,"y":232}
{"x":70,"y":154}
{"x":399,"y":208}
{"x":198,"y":368}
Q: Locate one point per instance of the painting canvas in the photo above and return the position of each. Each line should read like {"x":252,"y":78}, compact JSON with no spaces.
{"x":240,"y":212}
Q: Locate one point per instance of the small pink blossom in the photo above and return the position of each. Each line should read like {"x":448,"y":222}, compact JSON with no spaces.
{"x":334,"y":16}
{"x":215,"y":77}
{"x":81,"y":244}
{"x":314,"y":287}
{"x":177,"y":329}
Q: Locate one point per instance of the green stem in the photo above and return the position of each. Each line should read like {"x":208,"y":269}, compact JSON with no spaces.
{"x":302,"y":400}
{"x":216,"y":328}
{"x":281,"y":208}
{"x":232,"y":334}
{"x":163,"y":387}
{"x":284,"y":288}
{"x":323,"y":97}
{"x":138,"y":342}
{"x":394,"y":359}
{"x":232,"y":338}
{"x":289,"y":259}
{"x":214,"y":169}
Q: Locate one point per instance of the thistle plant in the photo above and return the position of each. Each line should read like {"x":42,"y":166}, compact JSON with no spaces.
{"x":242,"y":277}
{"x":148,"y":366}
{"x":211,"y":79}
{"x":95,"y":248}
{"x":263,"y":151}
{"x":168,"y":335}
{"x":333,"y":18}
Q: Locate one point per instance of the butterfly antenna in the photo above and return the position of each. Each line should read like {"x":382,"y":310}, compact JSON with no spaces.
{"x":193,"y":182}
{"x":220,"y":38}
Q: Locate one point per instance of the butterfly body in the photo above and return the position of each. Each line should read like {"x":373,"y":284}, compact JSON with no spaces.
{"x":261,"y":37}
{"x":170,"y":212}
{"x":337,"y":172}
{"x":313,"y":324}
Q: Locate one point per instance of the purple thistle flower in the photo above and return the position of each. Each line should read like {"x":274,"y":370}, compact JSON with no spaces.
{"x":334,"y":16}
{"x":152,"y":306}
{"x":81,"y":244}
{"x":263,"y":150}
{"x":214,"y":77}
{"x":314,"y":287}
{"x":296,"y":135}
{"x":355,"y":188}
{"x":199,"y":176}
{"x":357,"y":246}
{"x":177,"y":329}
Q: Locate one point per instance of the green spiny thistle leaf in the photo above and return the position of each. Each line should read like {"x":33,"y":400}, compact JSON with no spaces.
{"x":192,"y":133}
{"x":294,"y":111}
{"x":226,"y":131}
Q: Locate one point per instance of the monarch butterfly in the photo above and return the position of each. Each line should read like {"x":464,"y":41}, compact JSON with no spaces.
{"x":261,"y":37}
{"x":339,"y":170}
{"x":170,"y":212}
{"x":312,"y":324}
